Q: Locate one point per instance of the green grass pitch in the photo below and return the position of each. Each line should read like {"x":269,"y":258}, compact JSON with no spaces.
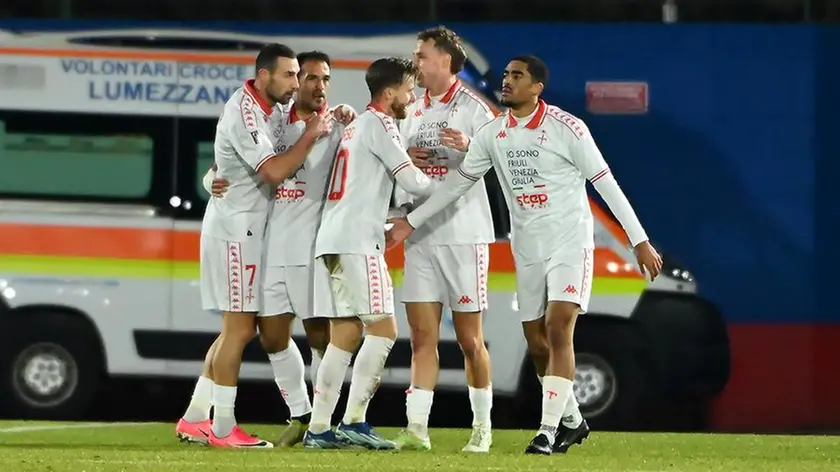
{"x":87,"y":447}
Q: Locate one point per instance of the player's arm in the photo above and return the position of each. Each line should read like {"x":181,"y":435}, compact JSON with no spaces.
{"x":588,"y":159}
{"x":475,"y":164}
{"x":388,"y":148}
{"x":254,"y":146}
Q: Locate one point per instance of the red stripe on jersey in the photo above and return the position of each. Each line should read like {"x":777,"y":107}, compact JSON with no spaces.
{"x":599,"y":175}
{"x":263,"y":161}
{"x":467,"y":176}
{"x":400,"y":167}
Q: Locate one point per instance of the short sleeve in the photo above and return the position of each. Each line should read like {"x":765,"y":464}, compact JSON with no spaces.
{"x":587,"y":157}
{"x":249,"y":137}
{"x":388,"y":145}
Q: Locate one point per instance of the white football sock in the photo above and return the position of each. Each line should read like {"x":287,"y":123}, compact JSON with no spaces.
{"x":556,"y":391}
{"x":328,"y":387}
{"x":571,"y":416}
{"x":224,"y":399}
{"x":481,"y":401}
{"x":289,"y":375}
{"x":418,"y":407}
{"x":317,"y":357}
{"x":367,"y":370}
{"x":201,"y":402}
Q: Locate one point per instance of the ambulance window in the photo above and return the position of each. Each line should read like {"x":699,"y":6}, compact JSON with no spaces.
{"x":204,"y":161}
{"x":84,"y":157}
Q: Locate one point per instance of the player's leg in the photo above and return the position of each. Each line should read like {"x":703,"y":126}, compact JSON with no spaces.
{"x":573,"y":429}
{"x":465,"y":271}
{"x":374,"y":307}
{"x":345,"y":334}
{"x":423,"y":296}
{"x":239,"y":297}
{"x":568,"y":283}
{"x":275,"y":327}
{"x":316,"y":322}
{"x":318,"y":338}
{"x":194,"y":426}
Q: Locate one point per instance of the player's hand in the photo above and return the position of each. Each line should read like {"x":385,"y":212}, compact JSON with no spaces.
{"x":419,"y":156}
{"x":318,"y":125}
{"x":650,"y":262}
{"x":344,"y":115}
{"x":454,"y":139}
{"x":399,"y":232}
{"x":219,"y":187}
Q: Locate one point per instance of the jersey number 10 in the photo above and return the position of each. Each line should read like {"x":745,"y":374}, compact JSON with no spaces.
{"x":339,"y":174}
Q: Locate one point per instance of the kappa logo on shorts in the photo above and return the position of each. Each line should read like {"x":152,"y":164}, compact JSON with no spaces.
{"x":570,"y":289}
{"x":465,"y":300}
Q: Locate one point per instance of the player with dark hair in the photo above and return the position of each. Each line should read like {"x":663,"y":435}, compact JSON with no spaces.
{"x":543,"y":157}
{"x":294,"y":286}
{"x":232,"y":233}
{"x":351,"y":244}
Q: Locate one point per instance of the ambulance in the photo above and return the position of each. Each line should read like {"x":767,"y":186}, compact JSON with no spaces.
{"x":104,"y":138}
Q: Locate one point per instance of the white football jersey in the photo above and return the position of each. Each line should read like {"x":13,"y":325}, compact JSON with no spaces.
{"x":300,"y":199}
{"x":243,"y":143}
{"x":371,"y":156}
{"x":543,"y":162}
{"x":468,"y":220}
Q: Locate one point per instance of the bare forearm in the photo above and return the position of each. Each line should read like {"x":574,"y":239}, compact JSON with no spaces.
{"x":281,"y":166}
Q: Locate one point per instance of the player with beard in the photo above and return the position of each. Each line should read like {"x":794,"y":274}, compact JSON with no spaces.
{"x":351,"y":243}
{"x":294,"y":286}
{"x":232,"y":232}
{"x":543,"y":157}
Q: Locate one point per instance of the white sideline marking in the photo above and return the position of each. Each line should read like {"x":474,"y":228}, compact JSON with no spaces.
{"x":60,"y":427}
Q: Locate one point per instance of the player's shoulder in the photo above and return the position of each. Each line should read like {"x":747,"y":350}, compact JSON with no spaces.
{"x":377,"y":120}
{"x":490,"y":128}
{"x":564,"y":122}
{"x":465,"y":97}
{"x":241,"y":107}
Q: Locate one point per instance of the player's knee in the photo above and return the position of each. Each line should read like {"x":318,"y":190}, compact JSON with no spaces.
{"x":274,"y":342}
{"x":317,"y":333}
{"x":382,"y":325}
{"x":471,"y":346}
{"x":241,"y":331}
{"x":559,"y":330}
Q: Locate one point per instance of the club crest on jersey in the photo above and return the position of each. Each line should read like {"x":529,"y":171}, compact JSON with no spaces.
{"x":543,"y":138}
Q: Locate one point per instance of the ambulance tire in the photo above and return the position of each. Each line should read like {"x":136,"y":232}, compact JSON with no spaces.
{"x":612,"y":353}
{"x":610,"y":379}
{"x":51,"y":365}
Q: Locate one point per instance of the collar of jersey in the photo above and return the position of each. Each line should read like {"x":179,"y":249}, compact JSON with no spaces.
{"x":293,"y":116}
{"x":250,"y":90}
{"x":535,"y":121}
{"x":427,"y":99}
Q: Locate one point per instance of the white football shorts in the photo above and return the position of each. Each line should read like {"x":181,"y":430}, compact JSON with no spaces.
{"x":361,"y":284}
{"x":564,"y":277}
{"x":231,"y":274}
{"x":300,"y":290}
{"x":452,"y":275}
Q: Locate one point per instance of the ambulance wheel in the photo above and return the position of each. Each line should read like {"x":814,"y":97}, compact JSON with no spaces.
{"x":610,"y":381}
{"x":51,"y":366}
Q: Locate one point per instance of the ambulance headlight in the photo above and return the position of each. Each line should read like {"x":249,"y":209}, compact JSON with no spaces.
{"x":674,"y":270}
{"x":6,"y":293}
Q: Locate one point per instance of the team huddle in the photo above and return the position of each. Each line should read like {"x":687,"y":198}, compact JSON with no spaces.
{"x":307,"y":198}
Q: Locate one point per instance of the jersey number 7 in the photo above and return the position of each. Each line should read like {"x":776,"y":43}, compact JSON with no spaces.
{"x":339,"y":174}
